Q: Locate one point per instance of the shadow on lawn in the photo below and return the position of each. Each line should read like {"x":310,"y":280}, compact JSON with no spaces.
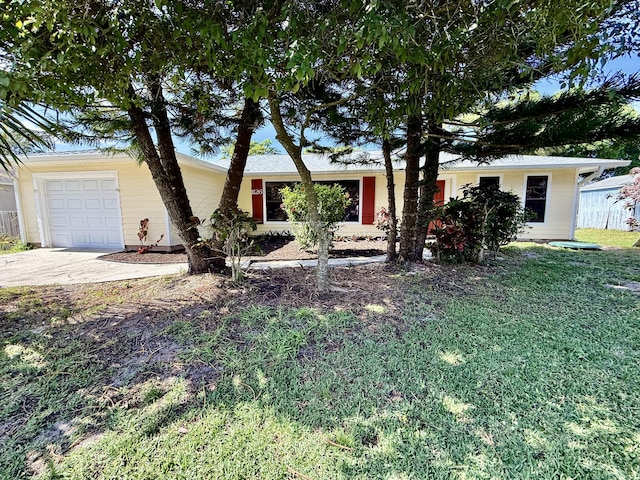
{"x":417,"y":381}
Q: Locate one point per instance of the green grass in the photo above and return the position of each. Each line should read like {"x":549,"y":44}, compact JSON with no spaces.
{"x":611,"y":238}
{"x":526,"y":370}
{"x":11,"y":245}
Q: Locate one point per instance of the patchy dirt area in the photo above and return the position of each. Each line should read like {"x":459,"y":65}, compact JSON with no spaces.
{"x":133,"y":307}
{"x":275,"y":248}
{"x":112,"y":346}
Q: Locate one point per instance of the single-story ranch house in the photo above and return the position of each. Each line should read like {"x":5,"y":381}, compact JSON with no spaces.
{"x":93,"y":200}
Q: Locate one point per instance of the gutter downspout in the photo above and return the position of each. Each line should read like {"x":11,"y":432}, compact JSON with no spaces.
{"x":591,"y":176}
{"x":576,"y":197}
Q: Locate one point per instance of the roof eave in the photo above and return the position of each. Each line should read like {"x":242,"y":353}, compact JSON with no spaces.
{"x":197,"y":163}
{"x":582,"y":168}
{"x":313,"y":172}
{"x":100,"y":157}
{"x":62,"y":158}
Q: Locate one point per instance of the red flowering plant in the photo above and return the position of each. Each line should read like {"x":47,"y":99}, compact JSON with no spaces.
{"x":382,"y":220}
{"x":142,"y":236}
{"x":630,"y":194}
{"x":485,"y":219}
{"x":451,"y":240}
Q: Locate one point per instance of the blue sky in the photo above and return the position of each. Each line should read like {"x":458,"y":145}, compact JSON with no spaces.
{"x":628,"y":64}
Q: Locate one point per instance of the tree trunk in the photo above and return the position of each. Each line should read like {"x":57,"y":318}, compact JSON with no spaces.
{"x":249,"y":120}
{"x":166,"y":174}
{"x":428,"y":188}
{"x":408,"y":228}
{"x":324,"y":242}
{"x":295,"y":152}
{"x":392,"y":234}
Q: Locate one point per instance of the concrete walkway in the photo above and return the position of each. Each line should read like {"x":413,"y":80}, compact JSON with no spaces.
{"x":333,"y":262}
{"x":47,"y":266}
{"x":50,"y":266}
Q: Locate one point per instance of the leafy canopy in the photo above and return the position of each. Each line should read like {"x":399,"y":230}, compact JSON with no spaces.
{"x":263,"y":147}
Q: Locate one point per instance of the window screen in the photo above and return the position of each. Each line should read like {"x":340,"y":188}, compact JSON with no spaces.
{"x":536,"y":197}
{"x":486,"y":181}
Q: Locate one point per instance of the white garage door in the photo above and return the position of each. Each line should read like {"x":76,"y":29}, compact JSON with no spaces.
{"x":84,"y":212}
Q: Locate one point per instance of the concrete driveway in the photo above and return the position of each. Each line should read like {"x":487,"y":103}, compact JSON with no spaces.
{"x":46,"y":266}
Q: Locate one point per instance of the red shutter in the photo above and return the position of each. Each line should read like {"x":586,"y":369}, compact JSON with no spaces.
{"x":368,"y":200}
{"x":438,"y":200}
{"x":256,"y":199}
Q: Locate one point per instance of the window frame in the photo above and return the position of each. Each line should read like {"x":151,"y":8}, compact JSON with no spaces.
{"x":547,"y":202}
{"x":499,"y":176}
{"x":321,"y":180}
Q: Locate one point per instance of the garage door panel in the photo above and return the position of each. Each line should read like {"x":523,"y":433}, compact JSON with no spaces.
{"x":59,"y":221}
{"x":111,"y":222}
{"x":113,"y":240}
{"x":79,"y":240}
{"x":97,"y":237}
{"x":110,"y":204}
{"x":72,"y":185}
{"x":62,"y":240}
{"x":56,"y":204}
{"x":77,"y":222}
{"x":75,"y":204}
{"x":91,"y":185}
{"x":84,"y":213}
{"x":95,"y":222}
{"x":93,"y":204}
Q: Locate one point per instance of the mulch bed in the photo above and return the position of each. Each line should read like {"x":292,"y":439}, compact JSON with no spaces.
{"x":278,"y":248}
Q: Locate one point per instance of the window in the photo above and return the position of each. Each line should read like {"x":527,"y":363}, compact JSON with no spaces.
{"x":273,"y":199}
{"x":536,"y":197}
{"x":275,"y":213}
{"x":486,"y":181}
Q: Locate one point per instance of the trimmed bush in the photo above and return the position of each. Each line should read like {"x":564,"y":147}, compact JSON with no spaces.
{"x":332,"y":204}
{"x":485,"y":218}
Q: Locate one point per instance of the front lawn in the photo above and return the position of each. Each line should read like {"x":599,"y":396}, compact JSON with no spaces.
{"x":524,"y":368}
{"x":609,"y":238}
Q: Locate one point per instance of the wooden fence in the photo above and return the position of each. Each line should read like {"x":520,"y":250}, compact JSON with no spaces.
{"x":602,"y":209}
{"x":9,"y":224}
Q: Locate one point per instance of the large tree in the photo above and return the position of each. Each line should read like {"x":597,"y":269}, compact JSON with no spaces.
{"x":297,"y":60}
{"x":464,"y":54}
{"x":17,"y":137}
{"x":536,"y":122}
{"x":129,"y":59}
{"x":616,"y":149}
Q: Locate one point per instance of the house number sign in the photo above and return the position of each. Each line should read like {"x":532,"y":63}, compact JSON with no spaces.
{"x":256,"y":191}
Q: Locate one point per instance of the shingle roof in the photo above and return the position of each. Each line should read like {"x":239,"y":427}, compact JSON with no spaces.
{"x":315,"y":162}
{"x":98,"y":156}
{"x":532,"y":162}
{"x":318,"y":163}
{"x":611,"y":183}
{"x":362,"y":161}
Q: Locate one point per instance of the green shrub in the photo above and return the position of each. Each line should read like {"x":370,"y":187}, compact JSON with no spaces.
{"x":332,"y":204}
{"x":231,"y":235}
{"x":9,"y":244}
{"x":485,"y":218}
